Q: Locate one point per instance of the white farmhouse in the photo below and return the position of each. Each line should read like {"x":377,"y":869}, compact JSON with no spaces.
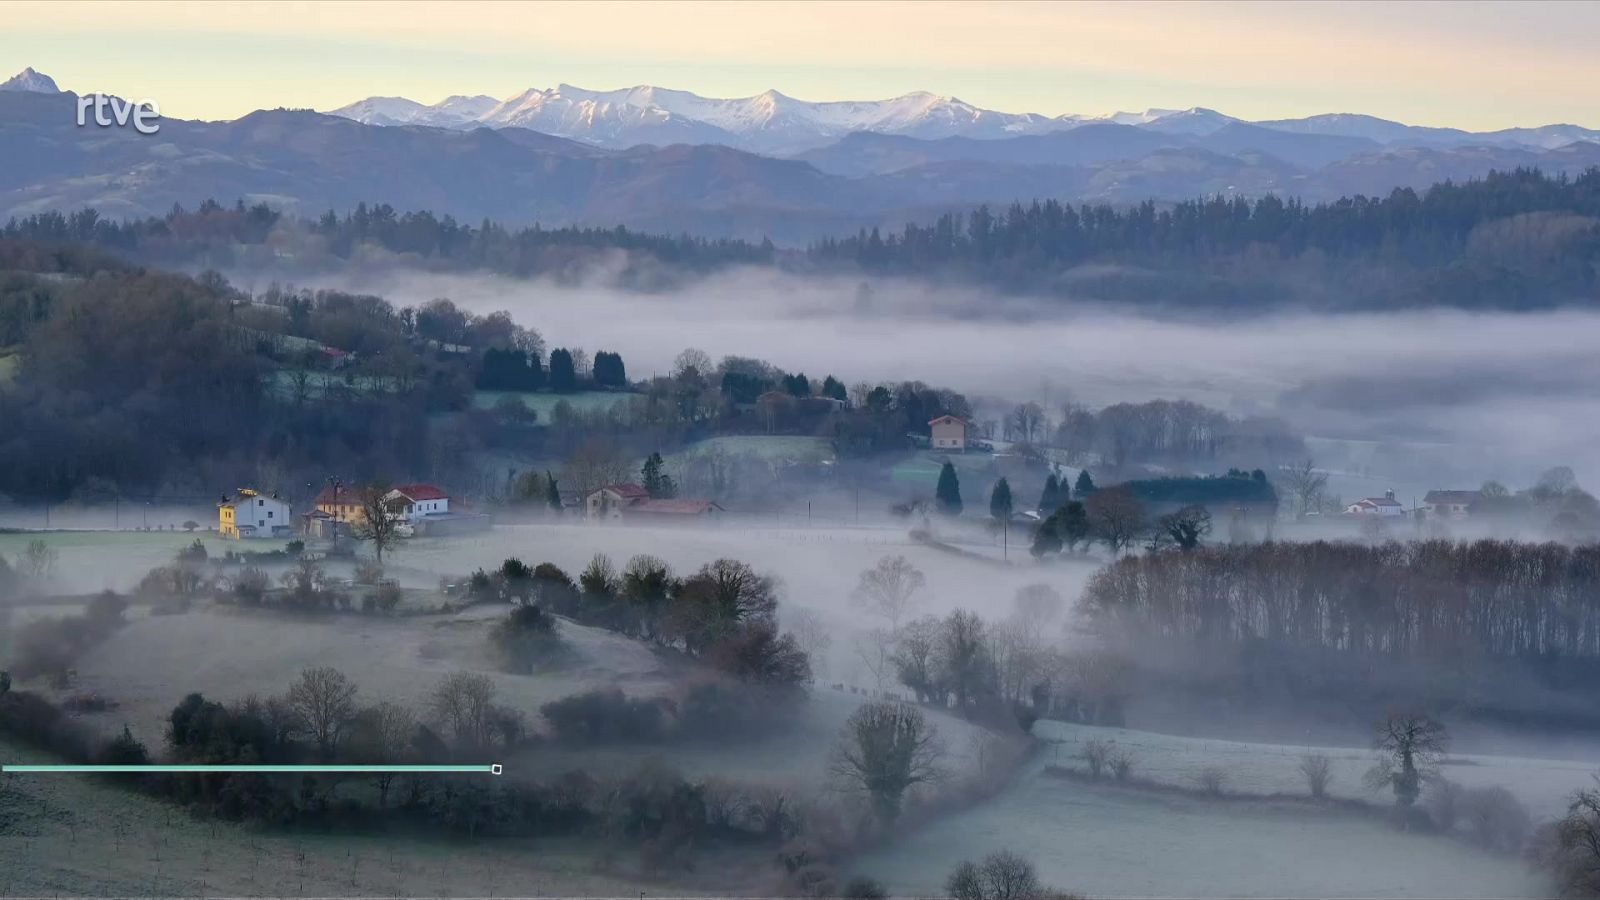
{"x":252,"y":514}
{"x":1385,"y":507}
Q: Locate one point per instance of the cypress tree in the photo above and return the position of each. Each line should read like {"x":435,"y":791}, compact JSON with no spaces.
{"x":1050,"y":497}
{"x":1000,"y":501}
{"x":948,"y":493}
{"x":1085,"y":485}
{"x":552,"y":495}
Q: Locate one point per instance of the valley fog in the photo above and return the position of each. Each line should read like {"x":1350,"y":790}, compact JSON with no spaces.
{"x":1442,"y":394}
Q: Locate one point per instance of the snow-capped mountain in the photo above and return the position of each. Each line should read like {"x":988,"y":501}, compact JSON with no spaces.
{"x":769,"y":122}
{"x":452,"y":112}
{"x":777,"y":124}
{"x":32,"y":81}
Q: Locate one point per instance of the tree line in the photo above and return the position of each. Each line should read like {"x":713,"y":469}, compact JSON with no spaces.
{"x":1435,"y":600}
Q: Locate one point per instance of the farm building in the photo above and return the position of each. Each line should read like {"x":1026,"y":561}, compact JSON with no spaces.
{"x":947,"y":433}
{"x":251,"y":514}
{"x":1385,"y":506}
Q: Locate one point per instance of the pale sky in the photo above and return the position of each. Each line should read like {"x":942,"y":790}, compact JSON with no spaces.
{"x":1471,"y":65}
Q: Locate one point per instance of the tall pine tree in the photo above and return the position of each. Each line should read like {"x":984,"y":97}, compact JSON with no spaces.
{"x":1085,"y":485}
{"x":948,"y":493}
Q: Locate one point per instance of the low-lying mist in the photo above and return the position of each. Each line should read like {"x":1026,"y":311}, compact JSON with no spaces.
{"x":1456,"y":395}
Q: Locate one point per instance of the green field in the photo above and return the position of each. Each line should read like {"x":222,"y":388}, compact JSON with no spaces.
{"x":769,"y":447}
{"x":924,"y":467}
{"x":544,"y":404}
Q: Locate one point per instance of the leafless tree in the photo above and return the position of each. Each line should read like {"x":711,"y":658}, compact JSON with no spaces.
{"x":381,"y":735}
{"x":325,"y":700}
{"x":38,"y":559}
{"x":1570,"y":847}
{"x":1411,"y":742}
{"x":1318,"y":772}
{"x":595,"y":464}
{"x":812,"y":635}
{"x":888,"y":589}
{"x":1115,"y":516}
{"x":377,"y":522}
{"x":464,"y":703}
{"x":875,"y":648}
{"x":887,"y":749}
{"x":1025,"y":422}
{"x":1002,"y":875}
{"x":692,"y":364}
{"x":1096,"y":753}
{"x":1306,"y":485}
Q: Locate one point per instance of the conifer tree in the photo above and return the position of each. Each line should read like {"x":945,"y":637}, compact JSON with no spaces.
{"x":1000,"y":501}
{"x":948,"y":493}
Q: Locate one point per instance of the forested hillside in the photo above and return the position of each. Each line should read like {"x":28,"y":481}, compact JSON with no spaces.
{"x":1514,"y":240}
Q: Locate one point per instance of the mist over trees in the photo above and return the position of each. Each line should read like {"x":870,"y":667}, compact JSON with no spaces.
{"x":1512,"y":240}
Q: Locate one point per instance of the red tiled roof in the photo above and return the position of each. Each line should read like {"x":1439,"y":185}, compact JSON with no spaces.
{"x":672,"y":507}
{"x":628,"y":491}
{"x":936,"y":421}
{"x":347,"y":495}
{"x":421,"y":492}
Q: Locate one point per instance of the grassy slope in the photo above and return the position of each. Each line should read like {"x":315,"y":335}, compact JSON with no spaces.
{"x":79,"y":836}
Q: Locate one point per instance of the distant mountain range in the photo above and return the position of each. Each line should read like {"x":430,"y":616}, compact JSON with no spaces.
{"x":760,"y":166}
{"x":774,"y":123}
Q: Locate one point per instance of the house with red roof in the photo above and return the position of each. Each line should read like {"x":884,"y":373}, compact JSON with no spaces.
{"x":1385,"y":506}
{"x":608,"y":502}
{"x":414,"y":502}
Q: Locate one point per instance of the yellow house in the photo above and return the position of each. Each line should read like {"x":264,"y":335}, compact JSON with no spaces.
{"x":343,"y":504}
{"x":252,"y":514}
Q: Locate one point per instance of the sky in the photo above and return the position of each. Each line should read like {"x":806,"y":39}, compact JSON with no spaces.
{"x":1479,"y":66}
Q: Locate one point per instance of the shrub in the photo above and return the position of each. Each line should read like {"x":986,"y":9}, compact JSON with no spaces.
{"x":527,"y":635}
{"x":388,"y":595}
{"x":1095,"y":755}
{"x":1443,"y":802}
{"x":1318,"y":772}
{"x":1002,"y":875}
{"x":1495,"y":819}
{"x":1212,"y":780}
{"x":250,"y":586}
{"x":721,"y":710}
{"x":1121,"y":763}
{"x":606,"y":715}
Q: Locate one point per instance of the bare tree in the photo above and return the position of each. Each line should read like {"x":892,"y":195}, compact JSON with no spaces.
{"x":377,"y":522}
{"x":464,"y":703}
{"x":1570,"y":847}
{"x":887,"y":749}
{"x":1212,"y":780}
{"x":1306,"y":485}
{"x":595,"y":464}
{"x":1411,"y":743}
{"x":1026,"y":422}
{"x":381,"y":735}
{"x":325,"y":700}
{"x":875,"y":648}
{"x":1318,"y":772}
{"x":1115,"y":516}
{"x":39,"y":559}
{"x":692,"y":364}
{"x":888,"y":588}
{"x":813,"y":637}
{"x":1002,"y":875}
